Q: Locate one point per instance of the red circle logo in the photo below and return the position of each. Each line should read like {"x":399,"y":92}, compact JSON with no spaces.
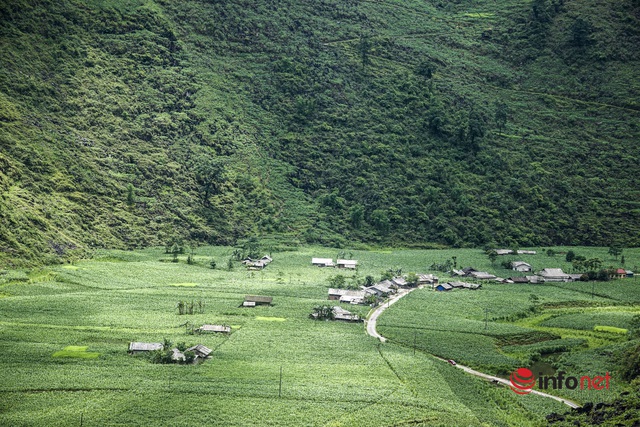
{"x":522,"y":380}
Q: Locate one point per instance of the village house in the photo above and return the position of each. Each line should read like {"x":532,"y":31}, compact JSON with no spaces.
{"x":253,"y":300}
{"x":200,"y":351}
{"x":427,"y":279}
{"x":554,"y":275}
{"x":618,"y":273}
{"x":400,"y":282}
{"x":443,"y":287}
{"x":518,"y":279}
{"x":214,"y":328}
{"x":521,"y":266}
{"x":347,"y":296}
{"x":380,"y":290}
{"x":141,"y":347}
{"x":464,"y":285}
{"x":629,"y":273}
{"x":322,"y":262}
{"x":350,"y":264}
{"x":340,"y":313}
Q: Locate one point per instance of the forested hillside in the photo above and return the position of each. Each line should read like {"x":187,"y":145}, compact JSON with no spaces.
{"x":126,"y":123}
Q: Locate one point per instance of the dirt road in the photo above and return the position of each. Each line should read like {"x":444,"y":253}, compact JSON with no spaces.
{"x":371,"y":330}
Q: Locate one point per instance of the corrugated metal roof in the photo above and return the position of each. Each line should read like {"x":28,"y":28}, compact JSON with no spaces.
{"x":145,"y":346}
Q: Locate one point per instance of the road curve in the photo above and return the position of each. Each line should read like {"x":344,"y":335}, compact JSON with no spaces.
{"x":373,"y":317}
{"x":371,"y":330}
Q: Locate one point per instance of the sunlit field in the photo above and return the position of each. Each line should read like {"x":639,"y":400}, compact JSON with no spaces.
{"x":64,"y":335}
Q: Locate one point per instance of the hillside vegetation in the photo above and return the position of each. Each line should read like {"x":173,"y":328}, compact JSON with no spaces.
{"x":128,"y":123}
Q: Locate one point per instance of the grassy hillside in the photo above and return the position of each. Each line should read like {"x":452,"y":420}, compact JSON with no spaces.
{"x":129,"y":123}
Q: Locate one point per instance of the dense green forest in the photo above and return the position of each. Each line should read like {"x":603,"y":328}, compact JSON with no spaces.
{"x":128,"y":123}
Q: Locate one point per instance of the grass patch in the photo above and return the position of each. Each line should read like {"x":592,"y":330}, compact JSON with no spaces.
{"x":271,"y":319}
{"x":76,"y":352}
{"x":184,"y":285}
{"x":612,"y":329}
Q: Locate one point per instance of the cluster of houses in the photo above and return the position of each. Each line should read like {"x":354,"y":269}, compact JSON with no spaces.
{"x":349,"y":264}
{"x":341,"y":314}
{"x":257,"y":264}
{"x":512,"y":252}
{"x":201,"y":352}
{"x":456,"y":285}
{"x":542,"y":276}
{"x":379,"y":290}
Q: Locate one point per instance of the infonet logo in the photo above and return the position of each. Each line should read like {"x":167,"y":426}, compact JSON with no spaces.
{"x":523,"y":381}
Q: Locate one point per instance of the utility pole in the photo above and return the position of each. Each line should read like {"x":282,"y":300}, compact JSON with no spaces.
{"x":415,"y":334}
{"x":486,"y":314}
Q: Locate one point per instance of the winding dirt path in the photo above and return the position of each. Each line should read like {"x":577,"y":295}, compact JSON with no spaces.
{"x":371,"y":330}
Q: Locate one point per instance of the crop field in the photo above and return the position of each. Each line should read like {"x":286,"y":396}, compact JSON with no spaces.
{"x":64,"y":334}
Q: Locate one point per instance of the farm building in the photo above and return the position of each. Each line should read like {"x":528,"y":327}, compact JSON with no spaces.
{"x":504,"y":251}
{"x":350,"y":264}
{"x":472,"y":272}
{"x":524,"y":252}
{"x":257,"y":264}
{"x":253,"y":300}
{"x":340,"y":313}
{"x":201,"y":351}
{"x":618,"y":273}
{"x":464,"y":285}
{"x":554,"y":275}
{"x":346,"y":295}
{"x":482,"y":275}
{"x":380,"y":289}
{"x":427,"y":279}
{"x":629,"y":273}
{"x":443,"y":287}
{"x":400,"y":282}
{"x":141,"y":347}
{"x":521,"y":266}
{"x":322,"y":262}
{"x":518,"y":280}
{"x":214,"y":328}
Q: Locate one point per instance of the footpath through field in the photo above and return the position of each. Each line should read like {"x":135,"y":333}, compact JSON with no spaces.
{"x":371,"y":330}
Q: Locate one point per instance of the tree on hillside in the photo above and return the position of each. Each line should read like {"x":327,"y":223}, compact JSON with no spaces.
{"x":493,"y":255}
{"x":364,"y":49}
{"x":581,"y":33}
{"x":615,"y":251}
{"x":210,"y":175}
{"x":570,"y":256}
{"x":500,"y":115}
{"x":356,"y":216}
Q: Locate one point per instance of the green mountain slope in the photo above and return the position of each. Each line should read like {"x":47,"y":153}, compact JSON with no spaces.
{"x":127,"y":123}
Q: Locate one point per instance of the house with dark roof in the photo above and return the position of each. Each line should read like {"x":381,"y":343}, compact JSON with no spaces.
{"x":442,"y":287}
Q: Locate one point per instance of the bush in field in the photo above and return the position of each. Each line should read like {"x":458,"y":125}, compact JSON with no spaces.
{"x":323,"y":312}
{"x":338,"y":281}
